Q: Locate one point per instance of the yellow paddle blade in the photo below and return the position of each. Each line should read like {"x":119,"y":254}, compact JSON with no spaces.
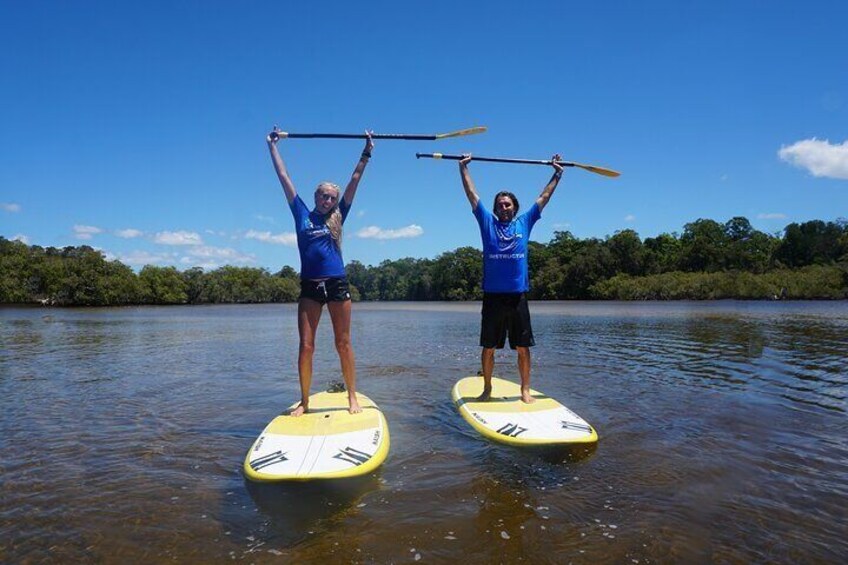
{"x":599,"y":170}
{"x":469,"y":131}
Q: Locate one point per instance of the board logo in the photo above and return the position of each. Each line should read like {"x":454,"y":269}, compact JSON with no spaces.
{"x":511,"y":430}
{"x":351,"y":455}
{"x":267,"y":460}
{"x":576,"y":426}
{"x":376,"y":439}
{"x":480,"y":418}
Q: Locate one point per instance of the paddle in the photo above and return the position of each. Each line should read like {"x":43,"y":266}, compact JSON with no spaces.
{"x":591,"y":168}
{"x":470,"y":131}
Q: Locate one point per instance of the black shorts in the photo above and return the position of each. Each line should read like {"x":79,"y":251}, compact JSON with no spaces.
{"x":328,"y":290}
{"x":505,"y":313}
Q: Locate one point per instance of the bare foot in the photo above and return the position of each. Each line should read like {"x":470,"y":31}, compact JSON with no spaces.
{"x":487,"y":394}
{"x":526,"y":397}
{"x":300,"y":410}
{"x":354,"y":404}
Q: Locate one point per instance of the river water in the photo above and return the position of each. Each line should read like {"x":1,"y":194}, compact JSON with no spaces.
{"x":722,"y":429}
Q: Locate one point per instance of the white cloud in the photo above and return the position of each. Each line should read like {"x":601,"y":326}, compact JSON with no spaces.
{"x":561,"y":225}
{"x":289,"y":239}
{"x":265,"y":219}
{"x":771,"y":216}
{"x":629,"y":218}
{"x":205,"y":265}
{"x":820,"y":158}
{"x":213,"y":257}
{"x":20,"y":237}
{"x":86,"y":232}
{"x":178,"y":238}
{"x":215,"y":252}
{"x":129,"y":233}
{"x":10,"y":206}
{"x":374,"y":232}
{"x":141,"y":258}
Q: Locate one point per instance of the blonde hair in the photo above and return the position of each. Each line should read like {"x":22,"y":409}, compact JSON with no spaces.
{"x":333,"y":219}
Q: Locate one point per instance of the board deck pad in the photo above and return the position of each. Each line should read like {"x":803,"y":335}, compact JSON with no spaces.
{"x":326,"y":443}
{"x":505,"y":418}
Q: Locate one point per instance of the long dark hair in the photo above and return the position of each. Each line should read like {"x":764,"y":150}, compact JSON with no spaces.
{"x":509,"y":195}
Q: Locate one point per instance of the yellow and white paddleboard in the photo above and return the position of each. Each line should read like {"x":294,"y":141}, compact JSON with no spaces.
{"x":505,"y":418}
{"x":326,"y":443}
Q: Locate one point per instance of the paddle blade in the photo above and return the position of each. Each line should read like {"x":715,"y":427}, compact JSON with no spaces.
{"x":469,"y":131}
{"x":598,"y":170}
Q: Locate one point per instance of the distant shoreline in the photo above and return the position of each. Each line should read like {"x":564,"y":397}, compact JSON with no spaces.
{"x":708,"y":261}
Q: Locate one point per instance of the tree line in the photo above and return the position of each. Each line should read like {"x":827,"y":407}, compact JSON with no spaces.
{"x":81,"y":276}
{"x":708,"y":260}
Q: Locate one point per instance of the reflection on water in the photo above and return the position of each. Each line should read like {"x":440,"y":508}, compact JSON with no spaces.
{"x":297,"y":510}
{"x":722,"y":437}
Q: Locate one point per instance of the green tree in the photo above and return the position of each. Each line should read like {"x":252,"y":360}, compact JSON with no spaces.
{"x":14,"y":272}
{"x":162,"y":285}
{"x":457,"y":274}
{"x":813,"y":242}
{"x":703,"y":246}
{"x":592,"y":264}
{"x":363,"y":279}
{"x":662,"y":253}
{"x":628,"y":253}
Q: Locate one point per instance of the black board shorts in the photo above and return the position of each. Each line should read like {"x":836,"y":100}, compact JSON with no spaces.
{"x":505,"y":314}
{"x":328,"y":290}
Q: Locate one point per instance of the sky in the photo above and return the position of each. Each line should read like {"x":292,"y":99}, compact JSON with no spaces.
{"x":138,"y":128}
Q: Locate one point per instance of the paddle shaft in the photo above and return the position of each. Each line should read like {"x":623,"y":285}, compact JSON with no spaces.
{"x":591,"y":168}
{"x":276,"y":134}
{"x":493,"y":159}
{"x":355,"y":136}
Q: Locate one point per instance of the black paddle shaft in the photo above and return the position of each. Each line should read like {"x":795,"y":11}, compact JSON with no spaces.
{"x":492,"y":159}
{"x":275,"y":136}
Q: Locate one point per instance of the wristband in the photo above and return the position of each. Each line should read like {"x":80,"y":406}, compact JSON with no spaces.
{"x":366,"y":155}
{"x":558,"y":175}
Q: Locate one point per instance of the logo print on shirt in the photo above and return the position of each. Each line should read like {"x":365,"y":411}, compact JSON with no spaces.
{"x":314,"y":230}
{"x":507,"y":238}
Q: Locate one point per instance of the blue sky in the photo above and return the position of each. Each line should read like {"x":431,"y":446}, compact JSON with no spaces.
{"x":138,"y":128}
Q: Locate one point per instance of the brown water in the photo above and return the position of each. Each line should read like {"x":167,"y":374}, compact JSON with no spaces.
{"x":722,"y":426}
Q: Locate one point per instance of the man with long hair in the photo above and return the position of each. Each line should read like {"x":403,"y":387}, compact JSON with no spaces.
{"x":506,"y":279}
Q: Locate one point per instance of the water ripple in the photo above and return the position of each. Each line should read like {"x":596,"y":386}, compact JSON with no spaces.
{"x":721,"y":425}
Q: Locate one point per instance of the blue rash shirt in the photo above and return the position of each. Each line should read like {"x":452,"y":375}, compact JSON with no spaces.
{"x":320,"y":257}
{"x":505,"y":266}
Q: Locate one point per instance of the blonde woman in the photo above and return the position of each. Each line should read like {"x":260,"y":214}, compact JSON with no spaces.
{"x":322,"y":275}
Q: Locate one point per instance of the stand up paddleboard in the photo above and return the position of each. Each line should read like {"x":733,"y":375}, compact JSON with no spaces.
{"x":326,"y":443}
{"x":505,"y":418}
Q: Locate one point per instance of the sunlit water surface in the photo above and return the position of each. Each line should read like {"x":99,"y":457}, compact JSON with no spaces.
{"x":722,"y":430}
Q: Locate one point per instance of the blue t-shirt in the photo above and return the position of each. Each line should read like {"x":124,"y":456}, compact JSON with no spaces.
{"x":505,"y":267}
{"x":320,"y":257}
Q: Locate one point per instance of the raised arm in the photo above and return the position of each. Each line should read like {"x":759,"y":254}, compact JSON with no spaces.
{"x":280,"y":166}
{"x":350,"y":189}
{"x":549,"y":189}
{"x":467,"y":183}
